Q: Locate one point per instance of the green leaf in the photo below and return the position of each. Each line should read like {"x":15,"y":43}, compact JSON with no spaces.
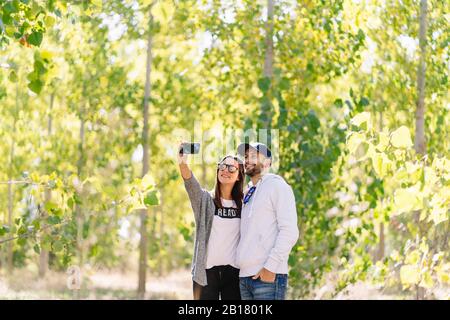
{"x":77,"y":199}
{"x":338,"y":103}
{"x":34,"y":10}
{"x":10,"y":30}
{"x":57,"y":246}
{"x":22,"y":230}
{"x":53,"y":208}
{"x":39,"y":67}
{"x":13,"y":76}
{"x":364,"y":102}
{"x":70,"y":203}
{"x":35,"y":38}
{"x":9,"y":8}
{"x":86,"y":229}
{"x":314,"y":122}
{"x":4,"y":230}
{"x":49,"y":21}
{"x":37,"y":248}
{"x":36,"y":86}
{"x":151,"y":198}
{"x":53,"y":220}
{"x":46,"y":55}
{"x":284,"y":84}
{"x":97,"y":3}
{"x":264,"y":84}
{"x":361,"y":36}
{"x":49,"y":206}
{"x":36,"y":224}
{"x":93,"y":251}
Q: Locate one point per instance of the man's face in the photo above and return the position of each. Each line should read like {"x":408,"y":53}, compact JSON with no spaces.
{"x":254,"y":162}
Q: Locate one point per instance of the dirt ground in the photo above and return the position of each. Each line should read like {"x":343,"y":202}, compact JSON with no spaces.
{"x":24,"y":284}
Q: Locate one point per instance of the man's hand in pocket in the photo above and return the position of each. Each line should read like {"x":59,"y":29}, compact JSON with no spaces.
{"x":265,"y":275}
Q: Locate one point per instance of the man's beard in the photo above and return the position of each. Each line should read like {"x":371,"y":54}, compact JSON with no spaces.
{"x":255,"y":170}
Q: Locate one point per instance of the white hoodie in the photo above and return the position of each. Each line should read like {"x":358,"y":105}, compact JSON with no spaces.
{"x":268,"y":228}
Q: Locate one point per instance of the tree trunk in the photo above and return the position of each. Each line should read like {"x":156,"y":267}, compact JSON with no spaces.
{"x":266,"y":105}
{"x":10,"y":262}
{"x":78,"y":209}
{"x":420,"y":142}
{"x":268,"y":59}
{"x":380,"y":252}
{"x":10,"y":218}
{"x":161,"y":234}
{"x":43,"y":257}
{"x":145,"y":165}
{"x":203,"y":166}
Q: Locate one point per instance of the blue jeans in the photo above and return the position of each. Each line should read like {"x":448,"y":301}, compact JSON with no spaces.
{"x":260,"y":290}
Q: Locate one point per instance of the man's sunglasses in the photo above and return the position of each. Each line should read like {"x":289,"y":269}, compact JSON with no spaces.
{"x":230,"y":167}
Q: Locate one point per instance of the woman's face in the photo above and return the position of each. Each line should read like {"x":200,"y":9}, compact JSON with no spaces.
{"x":224,"y":175}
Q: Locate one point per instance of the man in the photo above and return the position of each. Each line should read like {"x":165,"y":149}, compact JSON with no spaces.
{"x":268,"y":228}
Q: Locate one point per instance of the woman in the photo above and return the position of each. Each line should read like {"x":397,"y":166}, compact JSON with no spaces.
{"x":217,"y":218}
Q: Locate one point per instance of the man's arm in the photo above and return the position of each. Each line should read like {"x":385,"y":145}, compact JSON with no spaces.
{"x":286,"y":215}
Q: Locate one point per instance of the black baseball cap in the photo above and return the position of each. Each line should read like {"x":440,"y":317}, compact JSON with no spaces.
{"x":260,"y":147}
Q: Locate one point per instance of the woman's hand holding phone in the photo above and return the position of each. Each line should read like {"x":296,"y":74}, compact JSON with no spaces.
{"x":182,"y":162}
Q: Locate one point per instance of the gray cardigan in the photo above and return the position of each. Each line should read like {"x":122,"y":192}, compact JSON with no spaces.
{"x":202,"y":203}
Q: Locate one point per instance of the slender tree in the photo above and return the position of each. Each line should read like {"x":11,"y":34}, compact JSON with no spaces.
{"x":43,"y":255}
{"x":10,"y":262}
{"x":420,"y":141}
{"x":145,"y":162}
{"x":266,"y":106}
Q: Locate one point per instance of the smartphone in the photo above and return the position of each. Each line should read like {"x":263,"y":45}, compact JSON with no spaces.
{"x":190,"y":148}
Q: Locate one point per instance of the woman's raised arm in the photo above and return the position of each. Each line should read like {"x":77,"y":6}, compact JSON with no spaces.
{"x":184,"y":167}
{"x":193,"y":188}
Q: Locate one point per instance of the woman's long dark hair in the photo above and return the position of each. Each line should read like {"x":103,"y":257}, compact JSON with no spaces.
{"x":237,"y":193}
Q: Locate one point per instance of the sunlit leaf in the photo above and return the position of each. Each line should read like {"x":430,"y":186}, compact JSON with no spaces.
{"x":361,"y":118}
{"x":401,"y":138}
{"x":409,"y":275}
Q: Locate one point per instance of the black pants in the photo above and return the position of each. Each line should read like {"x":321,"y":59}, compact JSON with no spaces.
{"x":223,"y":283}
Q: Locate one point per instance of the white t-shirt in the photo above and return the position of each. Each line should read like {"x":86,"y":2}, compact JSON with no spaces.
{"x":224,"y":237}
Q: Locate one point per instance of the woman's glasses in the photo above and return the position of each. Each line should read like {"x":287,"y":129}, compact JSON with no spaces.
{"x":230,"y":167}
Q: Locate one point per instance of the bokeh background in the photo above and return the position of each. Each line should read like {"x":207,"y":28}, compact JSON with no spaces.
{"x":94,"y":95}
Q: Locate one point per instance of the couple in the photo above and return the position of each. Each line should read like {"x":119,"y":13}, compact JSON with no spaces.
{"x":243,"y":240}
